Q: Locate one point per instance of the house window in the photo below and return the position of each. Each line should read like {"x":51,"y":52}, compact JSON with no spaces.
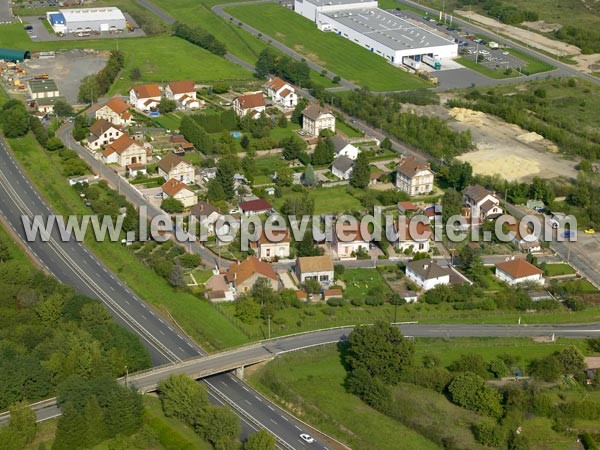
{"x":324,"y":278}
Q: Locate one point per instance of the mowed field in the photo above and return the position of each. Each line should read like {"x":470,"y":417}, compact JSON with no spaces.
{"x":159,"y":58}
{"x":336,"y":53}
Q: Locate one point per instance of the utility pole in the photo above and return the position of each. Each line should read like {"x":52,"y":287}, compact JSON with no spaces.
{"x":269,"y":325}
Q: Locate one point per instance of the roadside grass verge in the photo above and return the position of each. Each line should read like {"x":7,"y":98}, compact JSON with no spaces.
{"x":553,"y":270}
{"x":335,"y":53}
{"x":532,"y":65}
{"x":484,"y":70}
{"x":197,"y":317}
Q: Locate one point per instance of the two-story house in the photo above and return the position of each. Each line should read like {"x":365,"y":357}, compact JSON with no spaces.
{"x":249,"y":104}
{"x":316,"y":119}
{"x":179,"y":191}
{"x":349,"y":239}
{"x":124,"y":151}
{"x":204,"y":216}
{"x":342,"y":167}
{"x":243,"y":276}
{"x":481,"y":203}
{"x":413,"y":237}
{"x":184,"y":93}
{"x":174,"y":167}
{"x":145,"y":97}
{"x":102,"y":133}
{"x":281,"y":93}
{"x":343,"y":148}
{"x":273,"y":244}
{"x":414,"y":177}
{"x":116,"y":111}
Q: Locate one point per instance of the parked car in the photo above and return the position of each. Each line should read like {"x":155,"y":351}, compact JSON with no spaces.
{"x":589,"y":231}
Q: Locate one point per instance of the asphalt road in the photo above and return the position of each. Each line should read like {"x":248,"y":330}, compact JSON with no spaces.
{"x":73,"y":264}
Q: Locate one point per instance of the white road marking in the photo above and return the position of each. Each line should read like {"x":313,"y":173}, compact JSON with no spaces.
{"x":143,"y":317}
{"x":258,"y":398}
{"x":297,"y":427}
{"x":162,"y":332}
{"x":285,"y":418}
{"x":245,"y":388}
{"x":270,"y":407}
{"x":273,"y":421}
{"x":247,"y":401}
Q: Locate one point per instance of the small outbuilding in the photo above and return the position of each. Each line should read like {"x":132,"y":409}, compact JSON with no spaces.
{"x":12,"y":55}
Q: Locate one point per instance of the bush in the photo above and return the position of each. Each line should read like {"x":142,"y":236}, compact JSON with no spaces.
{"x":374,"y":301}
{"x":488,"y":434}
{"x":336,"y":301}
{"x":357,"y":301}
{"x":588,"y":442}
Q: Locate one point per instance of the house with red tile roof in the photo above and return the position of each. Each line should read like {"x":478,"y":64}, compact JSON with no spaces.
{"x":184,"y":93}
{"x":281,"y":93}
{"x":145,"y":97}
{"x":116,"y":111}
{"x":180,"y":191}
{"x":124,"y":151}
{"x":242,"y":276}
{"x":255,"y":207}
{"x":249,"y":104}
{"x":515,"y":271}
{"x":350,"y":238}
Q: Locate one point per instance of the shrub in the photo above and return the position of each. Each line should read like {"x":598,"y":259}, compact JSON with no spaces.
{"x":336,"y":301}
{"x":374,"y":301}
{"x":357,"y":301}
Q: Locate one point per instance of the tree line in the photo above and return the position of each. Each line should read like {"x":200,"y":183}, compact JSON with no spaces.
{"x":285,"y":67}
{"x":200,"y":37}
{"x":94,"y":86}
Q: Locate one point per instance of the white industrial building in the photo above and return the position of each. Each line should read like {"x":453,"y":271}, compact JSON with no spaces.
{"x":81,"y":20}
{"x":398,"y":40}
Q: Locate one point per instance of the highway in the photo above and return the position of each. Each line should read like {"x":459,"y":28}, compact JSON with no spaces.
{"x":73,"y":264}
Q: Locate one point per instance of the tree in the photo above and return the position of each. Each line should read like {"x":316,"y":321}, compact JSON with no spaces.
{"x":177,"y":277}
{"x":546,"y":369}
{"x":15,"y":121}
{"x":54,"y":144}
{"x":71,"y":429}
{"x":371,"y":390}
{"x":381,"y":350}
{"x":470,"y":391}
{"x":451,"y":205}
{"x":5,"y":253}
{"x":470,"y":362}
{"x":282,"y":122}
{"x":22,"y":425}
{"x":167,"y":105}
{"x":324,"y":152}
{"x":218,"y":424}
{"x":360,"y":173}
{"x":312,"y":286}
{"x":285,"y":176}
{"x":245,"y":141}
{"x":261,"y":440}
{"x":215,"y":191}
{"x":571,"y":359}
{"x":386,"y":144}
{"x":182,"y":397}
{"x":94,"y":422}
{"x":226,"y":168}
{"x":457,"y":174}
{"x":63,"y":109}
{"x":172,"y":205}
{"x":298,"y":205}
{"x":89,"y":89}
{"x":309,"y":176}
{"x":292,"y":147}
{"x":307,"y":246}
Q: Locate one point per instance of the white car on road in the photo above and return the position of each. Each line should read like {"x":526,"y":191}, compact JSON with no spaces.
{"x":307,"y":438}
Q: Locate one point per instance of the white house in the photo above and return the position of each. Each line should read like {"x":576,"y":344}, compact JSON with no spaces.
{"x":316,"y":119}
{"x":102,"y":133}
{"x":275,"y":246}
{"x":145,"y":97}
{"x":175,"y":167}
{"x":349,"y":239}
{"x":318,"y":268}
{"x":343,"y":148}
{"x":124,"y":151}
{"x":252,"y":104}
{"x":481,"y":203}
{"x":180,"y":191}
{"x":515,"y":271}
{"x":184,"y":93}
{"x":415,"y":240}
{"x":115,"y":111}
{"x":414,"y":177}
{"x":255,"y":207}
{"x":342,"y":167}
{"x":281,"y":93}
{"x":206,"y":216}
{"x":427,"y":274}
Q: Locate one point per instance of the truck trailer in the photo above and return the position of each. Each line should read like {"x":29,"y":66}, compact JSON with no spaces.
{"x":432,"y":61}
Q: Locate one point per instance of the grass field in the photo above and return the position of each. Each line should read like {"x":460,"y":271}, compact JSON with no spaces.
{"x":553,"y":270}
{"x":346,"y":129}
{"x":312,"y":381}
{"x":170,"y":121}
{"x":337,"y":54}
{"x":199,"y":319}
{"x":532,"y":65}
{"x":333,"y":199}
{"x":360,"y":281}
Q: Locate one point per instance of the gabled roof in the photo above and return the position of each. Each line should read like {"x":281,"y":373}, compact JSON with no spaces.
{"x":147,"y":91}
{"x":338,"y":143}
{"x":276,"y":84}
{"x":315,"y":264}
{"x":420,"y":232}
{"x":169,"y":161}
{"x":280,"y":236}
{"x":427,"y":269}
{"x":173,"y":186}
{"x":314,"y":111}
{"x":409,"y":167}
{"x":407,"y":206}
{"x":488,"y":205}
{"x":120,"y":145}
{"x":285,"y":93}
{"x":240,"y":272}
{"x":100,"y":126}
{"x":203,"y":208}
{"x":360,"y":231}
{"x":343,"y":164}
{"x":257,"y":205}
{"x":182,"y":87}
{"x":117,"y":105}
{"x":251,"y":101}
{"x":477,"y":192}
{"x":518,"y":268}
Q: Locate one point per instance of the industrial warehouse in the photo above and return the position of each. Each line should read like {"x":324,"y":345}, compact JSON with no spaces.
{"x":398,"y":40}
{"x":86,"y":20}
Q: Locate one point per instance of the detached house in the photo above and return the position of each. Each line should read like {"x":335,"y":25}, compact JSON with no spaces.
{"x":481,"y":203}
{"x":349,"y":239}
{"x":180,"y":191}
{"x":342,"y":167}
{"x":249,"y":104}
{"x":205,"y":215}
{"x":412,"y":239}
{"x":243,"y":276}
{"x":316,"y":119}
{"x":427,"y":274}
{"x":517,"y":271}
{"x":115,"y":111}
{"x":318,"y":268}
{"x":343,"y":148}
{"x":145,"y":97}
{"x":174,"y":167}
{"x":124,"y":151}
{"x":255,"y":207}
{"x":102,"y":133}
{"x":275,"y":246}
{"x":414,"y":177}
{"x":281,"y":93}
{"x":184,"y":93}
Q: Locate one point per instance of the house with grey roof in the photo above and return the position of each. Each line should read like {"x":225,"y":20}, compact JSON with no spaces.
{"x":342,"y":167}
{"x":481,"y":203}
{"x":341,"y":147}
{"x":427,"y":273}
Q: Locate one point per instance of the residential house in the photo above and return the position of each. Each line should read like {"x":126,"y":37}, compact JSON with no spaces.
{"x":409,"y":296}
{"x":180,"y":191}
{"x":349,"y":239}
{"x":218,"y":290}
{"x":515,"y":271}
{"x":408,"y":208}
{"x":342,"y":167}
{"x":427,"y":273}
{"x":281,"y":93}
{"x":124,"y":151}
{"x":174,"y":167}
{"x":243,"y":276}
{"x":414,"y":177}
{"x":343,"y":148}
{"x":316,"y":119}
{"x":181,"y":144}
{"x":205,"y":215}
{"x":318,"y":268}
{"x":413,"y":237}
{"x":136,"y":169}
{"x":145,"y":97}
{"x":277,"y":245}
{"x":482,"y":204}
{"x":527,"y":243}
{"x":38,"y":89}
{"x":184,"y":93}
{"x":116,"y":111}
{"x":255,"y":207}
{"x":103,"y":132}
{"x":249,"y":104}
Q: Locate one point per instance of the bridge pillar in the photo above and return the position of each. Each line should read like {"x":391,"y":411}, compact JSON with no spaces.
{"x":239,"y":372}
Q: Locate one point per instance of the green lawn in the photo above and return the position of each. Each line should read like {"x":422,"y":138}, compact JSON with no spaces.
{"x":336,"y":53}
{"x":553,"y":270}
{"x":532,"y":65}
{"x":198,"y":317}
{"x":170,"y":121}
{"x":360,"y":281}
{"x":346,"y":129}
{"x":484,"y":70}
{"x":327,"y":200}
{"x":313,"y":382}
